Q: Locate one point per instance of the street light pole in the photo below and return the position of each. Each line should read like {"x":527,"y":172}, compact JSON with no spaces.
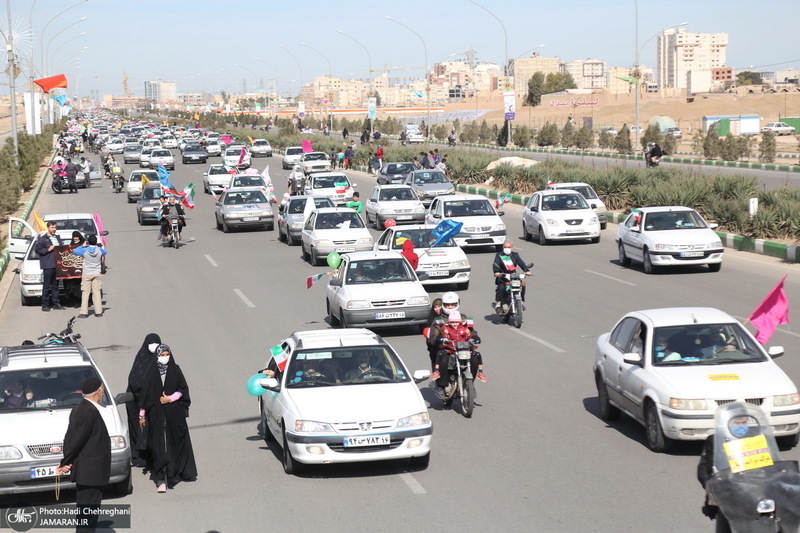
{"x":505,"y":64}
{"x":12,"y":74}
{"x":277,"y":77}
{"x":427,"y":77}
{"x":47,"y":48}
{"x":300,"y":65}
{"x":369,"y":71}
{"x":41,"y":36}
{"x":330,"y":79}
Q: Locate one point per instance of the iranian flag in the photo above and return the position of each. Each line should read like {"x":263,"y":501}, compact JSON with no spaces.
{"x":501,"y":201}
{"x":280,"y":357}
{"x":311,"y":280}
{"x":187,"y":196}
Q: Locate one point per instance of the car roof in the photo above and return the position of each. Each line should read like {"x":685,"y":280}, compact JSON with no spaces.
{"x":678,"y":316}
{"x":317,"y":152}
{"x":327,"y":174}
{"x":43,"y":356}
{"x":67,"y":216}
{"x":334,"y":210}
{"x":557,"y":192}
{"x":373,"y":254}
{"x":569,"y":185}
{"x":661,"y":209}
{"x":307,"y":196}
{"x":244,"y":189}
{"x":393,"y":186}
{"x":406,"y":227}
{"x":335,"y":338}
{"x":459,"y":197}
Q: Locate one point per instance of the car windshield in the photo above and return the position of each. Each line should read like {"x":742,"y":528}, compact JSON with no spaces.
{"x":343,"y":366}
{"x":152,"y":193}
{"x":294,"y":151}
{"x":420,"y":238}
{"x":52,"y":388}
{"x":563,"y":202}
{"x":398,"y":168}
{"x":329,"y":182}
{"x":193,"y":148}
{"x":716,"y":344}
{"x":468,"y":208}
{"x":315,"y":157}
{"x":379,"y":271}
{"x":586,"y":191}
{"x":233,"y":151}
{"x":137,"y":176}
{"x":339,"y":220}
{"x":217,"y":169}
{"x":84,"y":225}
{"x":673,"y":220}
{"x":399,"y":194}
{"x":248,"y":181}
{"x":160,"y":153}
{"x":421,"y":178}
{"x":132,"y":148}
{"x":260,"y":143}
{"x":244,"y":197}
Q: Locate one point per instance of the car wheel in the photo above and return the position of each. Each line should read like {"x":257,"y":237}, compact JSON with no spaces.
{"x":715,"y":267}
{"x":289,"y":239}
{"x":342,"y":319}
{"x":26,"y":300}
{"x":380,"y":226}
{"x":648,"y":263}
{"x":525,"y":235}
{"x":656,"y":440}
{"x":290,"y":466}
{"x":225,"y":228}
{"x":607,"y":411}
{"x":124,"y":487}
{"x":542,"y":237}
{"x":306,"y":255}
{"x":219,"y":226}
{"x":421,"y":462}
{"x":270,"y":227}
{"x":787,"y":442}
{"x":280,"y":234}
{"x":624,"y":260}
{"x":595,"y":240}
{"x":463,"y":286}
{"x":139,"y":219}
{"x":332,"y":319}
{"x":266,"y":434}
{"x":603,"y":225}
{"x":206,"y":189}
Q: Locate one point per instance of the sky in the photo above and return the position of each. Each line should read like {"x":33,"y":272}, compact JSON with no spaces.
{"x":211,"y":45}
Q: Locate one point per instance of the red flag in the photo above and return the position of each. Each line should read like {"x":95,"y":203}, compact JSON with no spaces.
{"x":52,"y":82}
{"x":772,"y":311}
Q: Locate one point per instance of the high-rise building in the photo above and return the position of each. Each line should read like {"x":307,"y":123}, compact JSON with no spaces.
{"x":160,"y":91}
{"x":680,"y":52}
{"x":587,"y":73}
{"x":523,"y":68}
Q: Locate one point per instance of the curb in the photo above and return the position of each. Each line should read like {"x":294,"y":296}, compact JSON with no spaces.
{"x":787,"y":252}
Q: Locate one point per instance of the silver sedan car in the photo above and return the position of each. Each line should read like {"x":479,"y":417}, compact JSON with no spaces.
{"x":244,"y":207}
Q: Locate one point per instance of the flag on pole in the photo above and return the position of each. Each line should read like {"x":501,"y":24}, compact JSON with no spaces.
{"x":145,"y":181}
{"x":53,"y":82}
{"x":311,"y":280}
{"x":163,"y":177}
{"x":445,"y":231}
{"x":241,"y":157}
{"x":502,"y":200}
{"x":38,"y":222}
{"x":187,"y":196}
{"x":772,"y":311}
{"x":280,"y":356}
{"x":550,"y":183}
{"x":99,"y":224}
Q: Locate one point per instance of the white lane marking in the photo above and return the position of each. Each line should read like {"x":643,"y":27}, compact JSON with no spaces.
{"x":210,"y":260}
{"x":744,"y":320}
{"x":413,"y":484}
{"x":610,"y":277}
{"x":245,"y":299}
{"x":540,"y":341}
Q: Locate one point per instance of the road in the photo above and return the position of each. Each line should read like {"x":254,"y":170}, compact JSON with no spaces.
{"x":534,"y":457}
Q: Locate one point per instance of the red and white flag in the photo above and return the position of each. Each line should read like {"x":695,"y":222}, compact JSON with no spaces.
{"x":311,"y":280}
{"x":280,"y":356}
{"x":772,"y":311}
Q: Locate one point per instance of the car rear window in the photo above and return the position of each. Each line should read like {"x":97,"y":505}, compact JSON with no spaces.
{"x":46,"y":389}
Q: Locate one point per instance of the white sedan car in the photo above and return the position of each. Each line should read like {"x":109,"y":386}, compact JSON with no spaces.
{"x":343,"y":396}
{"x":668,"y":236}
{"x":334,"y":229}
{"x":334,"y":185}
{"x":214,"y":148}
{"x":482,"y":223}
{"x":778,"y":128}
{"x":443,"y":264}
{"x":376,"y":290}
{"x":232,"y":156}
{"x":559,"y":215}
{"x":162,"y":156}
{"x":669,"y":369}
{"x":396,"y":202}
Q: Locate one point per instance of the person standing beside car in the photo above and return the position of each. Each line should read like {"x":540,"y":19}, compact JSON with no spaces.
{"x":72,"y":175}
{"x":45,"y":247}
{"x":92,"y":272}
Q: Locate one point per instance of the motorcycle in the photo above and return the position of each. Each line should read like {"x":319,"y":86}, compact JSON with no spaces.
{"x":461,"y":378}
{"x":297,"y":184}
{"x":59,"y":183}
{"x":753,"y":488}
{"x":173,"y":231}
{"x":451,"y":141}
{"x":511,"y":304}
{"x":650,"y":161}
{"x":66,"y":336}
{"x":117,"y":181}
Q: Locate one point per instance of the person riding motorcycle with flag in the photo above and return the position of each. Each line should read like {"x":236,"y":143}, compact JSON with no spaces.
{"x":165,"y":209}
{"x":506,"y":261}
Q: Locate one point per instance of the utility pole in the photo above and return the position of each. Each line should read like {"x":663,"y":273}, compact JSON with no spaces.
{"x":12,"y":74}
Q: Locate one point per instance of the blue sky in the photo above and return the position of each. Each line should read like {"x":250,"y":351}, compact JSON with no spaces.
{"x":192,"y":41}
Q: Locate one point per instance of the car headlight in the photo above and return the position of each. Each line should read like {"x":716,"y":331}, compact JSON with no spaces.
{"x":664,"y":247}
{"x":385,"y":211}
{"x":552,"y":222}
{"x":9,"y":453}
{"x":419,"y":419}
{"x":680,"y":403}
{"x":713,"y":245}
{"x":32,"y":278}
{"x":499,"y":227}
{"x":323,"y":243}
{"x":118,"y":442}
{"x":312,"y":426}
{"x":418,"y":300}
{"x":593,"y":220}
{"x":357,"y":304}
{"x":419,"y":209}
{"x":365,"y":240}
{"x":786,"y":399}
{"x":461,"y":263}
{"x":296,"y":225}
{"x":451,"y":190}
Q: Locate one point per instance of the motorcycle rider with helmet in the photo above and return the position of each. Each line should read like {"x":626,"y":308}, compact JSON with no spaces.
{"x":437,"y":336}
{"x":506,"y":261}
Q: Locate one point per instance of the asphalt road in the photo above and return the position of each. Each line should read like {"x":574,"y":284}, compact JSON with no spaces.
{"x":534,"y":457}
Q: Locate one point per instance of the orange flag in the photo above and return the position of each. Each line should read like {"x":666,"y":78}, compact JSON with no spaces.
{"x":52,"y":82}
{"x":38,"y":222}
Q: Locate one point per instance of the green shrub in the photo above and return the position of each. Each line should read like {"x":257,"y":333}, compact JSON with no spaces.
{"x":548,"y":135}
{"x":768,"y":148}
{"x":584,"y":138}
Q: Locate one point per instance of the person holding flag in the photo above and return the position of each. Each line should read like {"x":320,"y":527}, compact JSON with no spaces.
{"x":171,"y":205}
{"x":506,"y":262}
{"x":277,"y":363}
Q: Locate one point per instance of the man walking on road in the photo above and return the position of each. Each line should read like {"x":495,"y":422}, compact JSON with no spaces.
{"x":87,"y":454}
{"x":91,"y":282}
{"x":72,"y":174}
{"x":45,"y":247}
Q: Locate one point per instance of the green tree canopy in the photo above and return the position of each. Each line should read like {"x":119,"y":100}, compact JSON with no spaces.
{"x":556,"y":82}
{"x":535,"y":86}
{"x":749,"y":78}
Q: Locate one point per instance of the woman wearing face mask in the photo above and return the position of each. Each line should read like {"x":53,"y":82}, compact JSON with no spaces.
{"x":166,"y":407}
{"x":137,"y":379}
{"x":506,"y":261}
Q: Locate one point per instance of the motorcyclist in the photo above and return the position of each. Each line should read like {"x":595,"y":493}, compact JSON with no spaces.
{"x":652,"y":154}
{"x":506,"y":261}
{"x":450,"y":332}
{"x":172,"y":206}
{"x":297,"y":174}
{"x":450,"y":303}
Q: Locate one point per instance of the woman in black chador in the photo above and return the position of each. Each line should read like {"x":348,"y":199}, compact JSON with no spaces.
{"x":137,"y":384}
{"x":166,"y":408}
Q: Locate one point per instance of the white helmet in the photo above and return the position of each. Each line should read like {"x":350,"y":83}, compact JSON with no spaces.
{"x":449,"y":298}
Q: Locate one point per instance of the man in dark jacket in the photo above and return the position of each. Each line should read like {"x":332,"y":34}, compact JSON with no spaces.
{"x":506,"y":261}
{"x":87,"y":453}
{"x":45,"y":246}
{"x":72,"y":175}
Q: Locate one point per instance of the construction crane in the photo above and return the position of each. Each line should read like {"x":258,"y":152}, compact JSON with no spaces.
{"x":125,"y":85}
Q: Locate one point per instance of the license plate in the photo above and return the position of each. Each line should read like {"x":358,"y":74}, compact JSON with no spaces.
{"x":342,"y":250}
{"x":44,"y":471}
{"x":573,"y":230}
{"x":403,"y":217}
{"x":439,"y":273}
{"x":194,"y":157}
{"x":396,"y":314}
{"x":367,"y":440}
{"x":249,"y":219}
{"x":480,"y":236}
{"x":691,"y":254}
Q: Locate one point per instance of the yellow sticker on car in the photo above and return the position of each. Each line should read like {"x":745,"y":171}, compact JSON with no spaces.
{"x":723,"y":377}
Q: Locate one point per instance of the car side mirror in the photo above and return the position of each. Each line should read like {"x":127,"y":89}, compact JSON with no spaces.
{"x":775,"y":351}
{"x":104,"y":233}
{"x":354,"y":185}
{"x":421,"y":375}
{"x":713,"y":225}
{"x":123,"y":397}
{"x":632,"y":358}
{"x":437,"y":215}
{"x":205,"y":173}
{"x":335,"y":282}
{"x":501,"y":213}
{"x":593,"y":206}
{"x":383,"y":247}
{"x":270,"y":384}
